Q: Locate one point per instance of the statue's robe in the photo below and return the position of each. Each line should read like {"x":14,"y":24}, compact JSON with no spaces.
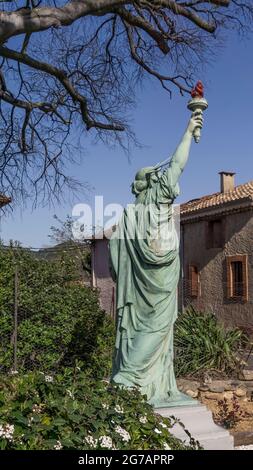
{"x":146,"y":270}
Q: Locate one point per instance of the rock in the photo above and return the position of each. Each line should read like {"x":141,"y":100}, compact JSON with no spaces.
{"x":240,"y":392}
{"x":184,"y":385}
{"x":216,"y":388}
{"x":245,"y":384}
{"x":235,"y":383}
{"x":192,"y":393}
{"x":250,"y":393}
{"x":228,"y":395}
{"x":203,"y":388}
{"x":181,"y":383}
{"x":246,"y":374}
{"x":229,"y":387}
{"x":219,"y":386}
{"x":211,"y":395}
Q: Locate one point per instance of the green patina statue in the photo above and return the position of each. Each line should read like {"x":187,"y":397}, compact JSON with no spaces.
{"x":144,"y":256}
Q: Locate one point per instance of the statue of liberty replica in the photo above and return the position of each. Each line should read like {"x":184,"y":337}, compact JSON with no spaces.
{"x":144,"y":257}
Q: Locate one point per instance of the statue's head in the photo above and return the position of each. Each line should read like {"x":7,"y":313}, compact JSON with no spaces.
{"x":143,"y":178}
{"x":146,"y":177}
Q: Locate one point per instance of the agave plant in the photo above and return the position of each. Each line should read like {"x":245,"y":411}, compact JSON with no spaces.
{"x":202,"y":343}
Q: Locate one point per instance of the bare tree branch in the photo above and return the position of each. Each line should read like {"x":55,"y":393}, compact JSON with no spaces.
{"x":73,"y":67}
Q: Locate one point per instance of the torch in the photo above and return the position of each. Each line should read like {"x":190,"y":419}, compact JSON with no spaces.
{"x":197,"y":104}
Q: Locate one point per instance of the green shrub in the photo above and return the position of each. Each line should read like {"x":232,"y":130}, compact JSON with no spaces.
{"x":59,"y":320}
{"x":202,"y":343}
{"x":72,"y":411}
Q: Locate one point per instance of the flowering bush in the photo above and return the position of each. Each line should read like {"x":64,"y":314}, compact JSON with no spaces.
{"x":72,"y":411}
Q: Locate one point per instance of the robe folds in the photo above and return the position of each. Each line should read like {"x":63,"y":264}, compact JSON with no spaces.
{"x":144,"y":257}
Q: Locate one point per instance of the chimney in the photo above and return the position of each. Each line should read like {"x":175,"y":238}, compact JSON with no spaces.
{"x":227,"y":181}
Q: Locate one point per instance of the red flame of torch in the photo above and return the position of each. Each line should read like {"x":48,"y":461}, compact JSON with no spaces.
{"x":198,"y":90}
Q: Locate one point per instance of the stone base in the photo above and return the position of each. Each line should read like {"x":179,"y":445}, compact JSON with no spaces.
{"x":179,"y":399}
{"x":198,"y":421}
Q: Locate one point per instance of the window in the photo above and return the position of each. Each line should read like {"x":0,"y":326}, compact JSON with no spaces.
{"x":215,"y":236}
{"x":237,"y":277}
{"x":194,"y":281}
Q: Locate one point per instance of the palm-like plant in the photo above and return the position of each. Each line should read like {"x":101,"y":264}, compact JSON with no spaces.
{"x":202,"y":343}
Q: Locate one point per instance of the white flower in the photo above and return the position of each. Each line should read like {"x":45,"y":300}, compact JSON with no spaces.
{"x":70,"y":394}
{"x":119,"y":409}
{"x":143,"y":419}
{"x":123,"y":433}
{"x":6,"y":431}
{"x":30,"y":420}
{"x":58,"y":445}
{"x":166,"y":447}
{"x":157,"y":431}
{"x":105,"y":441}
{"x":91,"y":441}
{"x":36,"y":408}
{"x":49,"y":378}
{"x":105,"y":406}
{"x":163,"y":425}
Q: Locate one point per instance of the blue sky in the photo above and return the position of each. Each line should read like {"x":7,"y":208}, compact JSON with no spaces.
{"x":159,"y":122}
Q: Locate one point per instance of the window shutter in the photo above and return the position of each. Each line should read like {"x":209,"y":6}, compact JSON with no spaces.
{"x":194,"y":281}
{"x":229,"y":279}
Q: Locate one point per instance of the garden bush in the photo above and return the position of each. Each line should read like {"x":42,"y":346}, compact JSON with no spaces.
{"x":72,"y":411}
{"x":229,"y":412}
{"x":59,"y":319}
{"x":202,"y":343}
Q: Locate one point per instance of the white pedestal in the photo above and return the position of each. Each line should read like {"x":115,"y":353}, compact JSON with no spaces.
{"x":199,"y":422}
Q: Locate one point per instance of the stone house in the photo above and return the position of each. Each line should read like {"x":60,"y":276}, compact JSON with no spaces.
{"x":216,"y":255}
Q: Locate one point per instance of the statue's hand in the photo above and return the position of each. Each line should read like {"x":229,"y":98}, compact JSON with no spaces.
{"x":195,"y":121}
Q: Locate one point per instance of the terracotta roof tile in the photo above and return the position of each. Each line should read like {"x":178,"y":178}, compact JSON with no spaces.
{"x":244,"y":191}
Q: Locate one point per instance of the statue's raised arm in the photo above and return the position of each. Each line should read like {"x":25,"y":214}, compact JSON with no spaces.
{"x":169,"y":178}
{"x":149,"y":177}
{"x":181,"y":154}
